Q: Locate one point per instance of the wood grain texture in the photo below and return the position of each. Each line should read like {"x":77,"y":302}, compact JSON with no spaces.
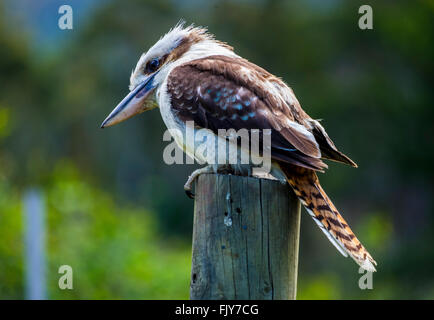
{"x":245,"y":247}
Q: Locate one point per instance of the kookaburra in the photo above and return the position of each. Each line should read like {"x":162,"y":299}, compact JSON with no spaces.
{"x":191,"y":76}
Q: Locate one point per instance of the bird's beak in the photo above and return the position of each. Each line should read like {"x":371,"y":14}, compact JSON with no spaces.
{"x":134,"y":103}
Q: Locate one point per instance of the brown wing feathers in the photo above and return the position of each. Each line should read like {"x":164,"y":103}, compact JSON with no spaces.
{"x":327,"y":147}
{"x":213,"y":98}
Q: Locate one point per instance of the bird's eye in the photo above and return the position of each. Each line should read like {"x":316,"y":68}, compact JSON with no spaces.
{"x":152,"y":65}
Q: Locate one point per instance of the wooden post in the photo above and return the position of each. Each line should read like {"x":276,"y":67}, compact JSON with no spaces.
{"x":245,"y":239}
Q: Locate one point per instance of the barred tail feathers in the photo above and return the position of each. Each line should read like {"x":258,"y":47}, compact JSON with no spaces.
{"x":306,"y":186}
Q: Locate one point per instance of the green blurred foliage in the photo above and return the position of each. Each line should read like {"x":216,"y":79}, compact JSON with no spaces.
{"x":115,"y":253}
{"x":117,"y":213}
{"x":320,"y":287}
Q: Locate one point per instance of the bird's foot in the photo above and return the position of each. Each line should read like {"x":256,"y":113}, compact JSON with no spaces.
{"x":220,"y":169}
{"x":194,"y":175}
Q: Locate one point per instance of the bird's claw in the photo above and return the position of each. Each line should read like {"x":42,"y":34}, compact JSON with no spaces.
{"x":189,"y":194}
{"x":193,"y":177}
{"x":188,"y":187}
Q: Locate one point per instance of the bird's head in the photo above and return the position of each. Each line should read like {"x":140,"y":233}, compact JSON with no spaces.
{"x":181,"y":44}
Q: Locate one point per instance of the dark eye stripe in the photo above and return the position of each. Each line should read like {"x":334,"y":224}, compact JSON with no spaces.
{"x":152,"y":65}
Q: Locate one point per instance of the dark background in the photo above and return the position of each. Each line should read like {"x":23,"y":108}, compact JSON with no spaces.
{"x":118,"y":215}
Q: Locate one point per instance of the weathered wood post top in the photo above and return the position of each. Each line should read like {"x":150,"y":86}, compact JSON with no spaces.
{"x":245,"y":239}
